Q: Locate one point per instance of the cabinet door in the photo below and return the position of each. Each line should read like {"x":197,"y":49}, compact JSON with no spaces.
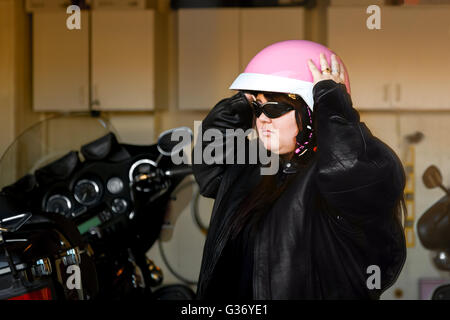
{"x":60,"y":63}
{"x":208,"y":56}
{"x":366,"y":53}
{"x":39,"y":5}
{"x":423,"y":54}
{"x":123,"y":60}
{"x":261,"y":27}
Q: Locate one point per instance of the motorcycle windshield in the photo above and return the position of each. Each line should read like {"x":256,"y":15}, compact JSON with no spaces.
{"x":47,"y":141}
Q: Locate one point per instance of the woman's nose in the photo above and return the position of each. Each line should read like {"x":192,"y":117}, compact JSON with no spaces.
{"x":264,"y":118}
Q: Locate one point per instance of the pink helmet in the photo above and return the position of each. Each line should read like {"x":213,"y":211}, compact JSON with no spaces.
{"x":283,"y":67}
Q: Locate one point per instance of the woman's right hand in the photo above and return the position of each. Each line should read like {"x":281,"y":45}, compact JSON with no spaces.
{"x":335,"y":73}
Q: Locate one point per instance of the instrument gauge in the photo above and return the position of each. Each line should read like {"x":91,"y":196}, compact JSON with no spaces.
{"x":87,"y":192}
{"x":58,"y":204}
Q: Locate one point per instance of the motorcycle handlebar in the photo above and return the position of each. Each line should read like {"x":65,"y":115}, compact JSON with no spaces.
{"x":179,"y":171}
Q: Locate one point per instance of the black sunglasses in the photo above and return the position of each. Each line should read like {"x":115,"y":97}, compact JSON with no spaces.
{"x":271,"y":109}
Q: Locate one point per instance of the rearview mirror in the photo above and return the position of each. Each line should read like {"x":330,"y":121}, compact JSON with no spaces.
{"x":172,"y":141}
{"x":432,"y":177}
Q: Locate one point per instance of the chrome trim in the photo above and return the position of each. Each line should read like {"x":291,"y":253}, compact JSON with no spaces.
{"x":16,"y":240}
{"x":59,"y":196}
{"x":42,"y":267}
{"x":71,"y":256}
{"x":91,"y":182}
{"x":24,"y":216}
{"x":12,"y":218}
{"x":137,"y":163}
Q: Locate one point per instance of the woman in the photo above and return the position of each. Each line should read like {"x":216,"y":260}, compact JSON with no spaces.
{"x":327,"y":225}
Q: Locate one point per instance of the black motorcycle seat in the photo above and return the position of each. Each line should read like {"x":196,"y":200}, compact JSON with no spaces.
{"x":58,"y":170}
{"x":104,"y":147}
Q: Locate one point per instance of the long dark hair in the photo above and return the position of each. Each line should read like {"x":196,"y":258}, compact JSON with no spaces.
{"x":269,"y":188}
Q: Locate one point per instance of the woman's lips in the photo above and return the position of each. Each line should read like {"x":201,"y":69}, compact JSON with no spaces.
{"x":266,"y":132}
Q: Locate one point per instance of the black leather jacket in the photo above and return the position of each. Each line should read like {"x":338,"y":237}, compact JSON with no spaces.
{"x":330,"y":225}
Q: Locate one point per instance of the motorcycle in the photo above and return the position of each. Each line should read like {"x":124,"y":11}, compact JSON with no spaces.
{"x":433,"y":229}
{"x":78,"y":212}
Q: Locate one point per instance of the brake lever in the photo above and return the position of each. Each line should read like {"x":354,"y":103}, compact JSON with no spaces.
{"x":22,"y":219}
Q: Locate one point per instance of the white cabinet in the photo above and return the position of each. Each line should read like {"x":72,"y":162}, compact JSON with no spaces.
{"x":123,"y":60}
{"x":118,"y":4}
{"x":60,"y":63}
{"x":423,"y":55}
{"x":39,"y":5}
{"x":366,"y":53}
{"x":404,"y":65}
{"x":261,"y":27}
{"x":215,"y":45}
{"x":208,"y":55}
{"x":120,"y":75}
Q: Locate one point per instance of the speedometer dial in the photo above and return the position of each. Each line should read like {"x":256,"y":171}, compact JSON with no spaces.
{"x":58,"y":204}
{"x":87,"y":192}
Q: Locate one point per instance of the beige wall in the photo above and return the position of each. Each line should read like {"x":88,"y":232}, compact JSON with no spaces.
{"x":15,"y":72}
{"x":7,"y":75}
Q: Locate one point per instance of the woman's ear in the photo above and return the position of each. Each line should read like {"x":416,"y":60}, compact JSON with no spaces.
{"x":250,"y":97}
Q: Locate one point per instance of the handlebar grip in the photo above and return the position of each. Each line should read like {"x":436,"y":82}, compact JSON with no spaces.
{"x":179,"y":171}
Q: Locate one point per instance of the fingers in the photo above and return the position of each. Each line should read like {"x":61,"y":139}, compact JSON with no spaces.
{"x":323,"y":63}
{"x":315,"y":72}
{"x":337,"y":72}
{"x":334,"y":66}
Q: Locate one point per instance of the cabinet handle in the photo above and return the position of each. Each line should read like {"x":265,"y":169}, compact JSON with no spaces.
{"x":95,"y":101}
{"x":398,"y":92}
{"x":386,"y":92}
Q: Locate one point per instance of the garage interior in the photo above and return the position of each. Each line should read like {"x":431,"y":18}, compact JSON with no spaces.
{"x":150,"y":66}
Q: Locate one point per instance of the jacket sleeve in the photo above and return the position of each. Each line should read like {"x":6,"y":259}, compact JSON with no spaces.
{"x":230,"y":113}
{"x":357,"y":173}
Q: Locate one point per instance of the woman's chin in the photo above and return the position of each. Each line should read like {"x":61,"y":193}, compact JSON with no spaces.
{"x":275,"y":149}
{"x":269,"y":146}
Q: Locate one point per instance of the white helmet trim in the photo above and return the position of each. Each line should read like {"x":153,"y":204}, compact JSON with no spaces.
{"x":270,"y":83}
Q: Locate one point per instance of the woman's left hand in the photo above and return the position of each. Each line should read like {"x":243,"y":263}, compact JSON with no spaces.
{"x":336,"y":72}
